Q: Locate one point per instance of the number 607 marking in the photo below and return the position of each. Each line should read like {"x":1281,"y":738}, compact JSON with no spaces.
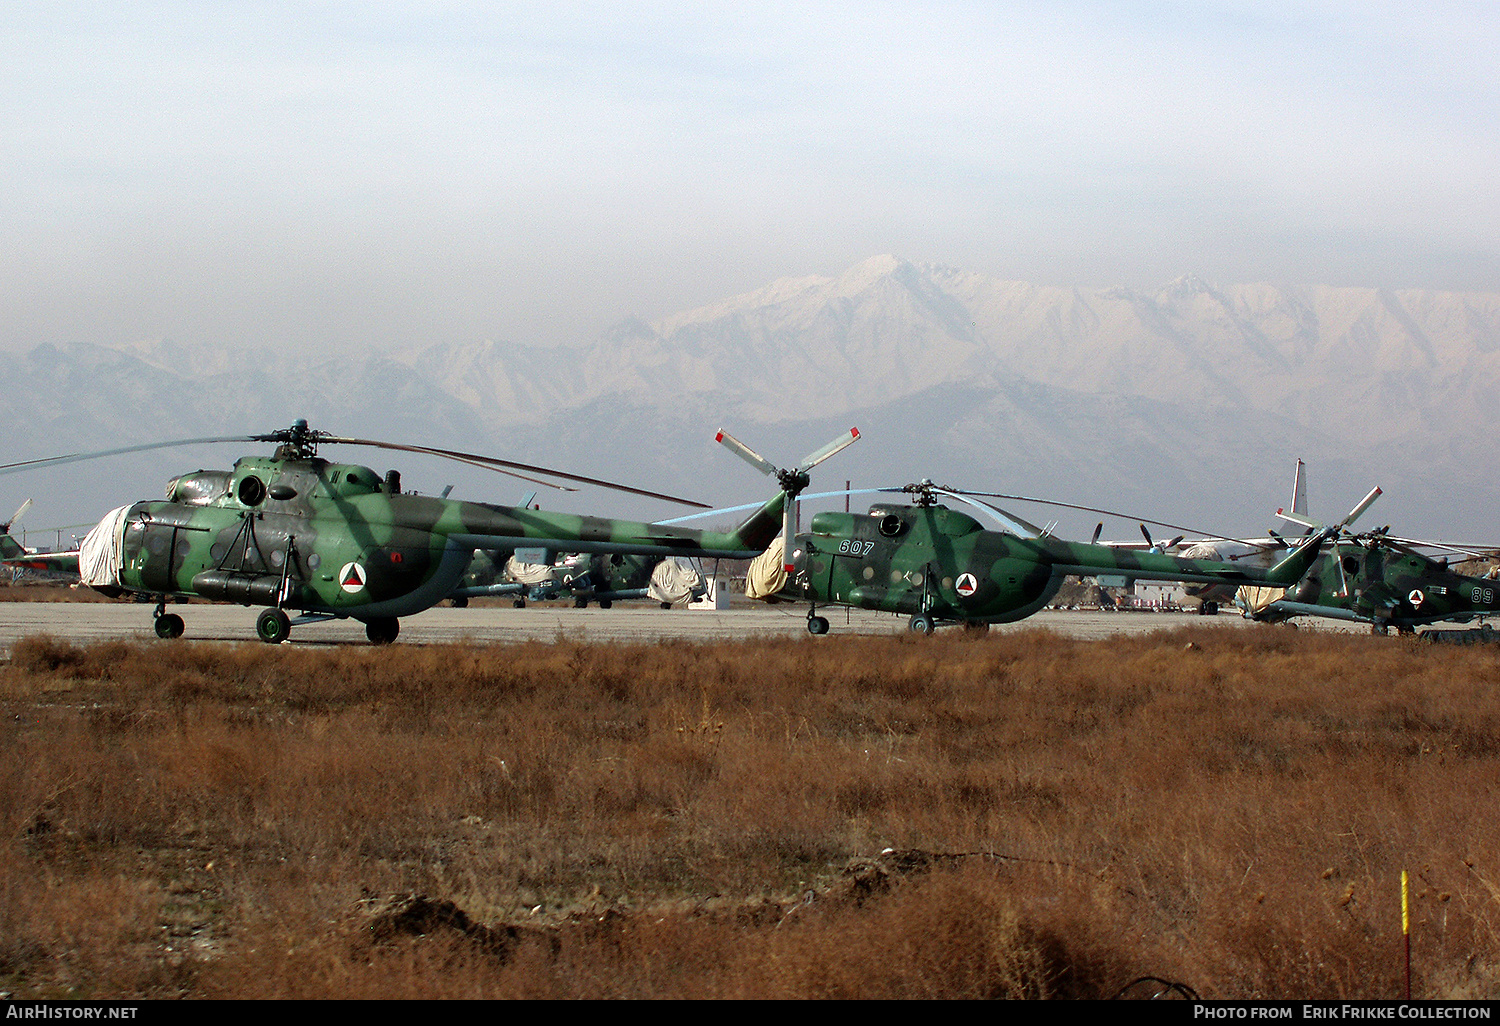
{"x":853,"y":547}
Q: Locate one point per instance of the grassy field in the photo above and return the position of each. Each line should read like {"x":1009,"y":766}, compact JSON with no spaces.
{"x":1015,"y":815}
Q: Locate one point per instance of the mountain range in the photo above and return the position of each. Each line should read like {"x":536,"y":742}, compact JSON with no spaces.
{"x":1188,"y":404}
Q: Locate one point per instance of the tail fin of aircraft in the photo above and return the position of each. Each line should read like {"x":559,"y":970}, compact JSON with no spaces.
{"x":10,"y":548}
{"x":761,"y":526}
{"x":1292,"y":568}
{"x":1299,"y":489}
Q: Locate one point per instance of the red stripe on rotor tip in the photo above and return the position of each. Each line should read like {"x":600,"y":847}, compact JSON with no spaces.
{"x":854,"y":432}
{"x":719,"y":437}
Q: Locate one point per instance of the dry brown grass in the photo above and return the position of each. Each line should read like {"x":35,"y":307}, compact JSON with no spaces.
{"x":1226,"y":808}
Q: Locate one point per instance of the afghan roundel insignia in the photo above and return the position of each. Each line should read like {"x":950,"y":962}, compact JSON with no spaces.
{"x":352,"y":577}
{"x":966,"y":585}
{"x":1415,"y":598}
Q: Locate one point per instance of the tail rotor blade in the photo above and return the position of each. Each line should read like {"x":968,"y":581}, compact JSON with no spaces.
{"x":1364,"y":504}
{"x":19,"y":513}
{"x":838,"y":445}
{"x":1097,"y":532}
{"x":1299,"y":520}
{"x":746,"y":453}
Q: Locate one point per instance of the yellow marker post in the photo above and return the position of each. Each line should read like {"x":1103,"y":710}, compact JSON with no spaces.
{"x":1406,"y":930}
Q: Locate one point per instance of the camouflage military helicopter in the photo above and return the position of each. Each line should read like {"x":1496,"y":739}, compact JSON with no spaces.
{"x":940,"y":565}
{"x":294,"y":531}
{"x":1376,"y":579}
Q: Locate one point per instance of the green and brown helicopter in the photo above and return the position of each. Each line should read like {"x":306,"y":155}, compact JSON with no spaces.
{"x":942,"y":566}
{"x":293,"y":531}
{"x":1380,"y":580}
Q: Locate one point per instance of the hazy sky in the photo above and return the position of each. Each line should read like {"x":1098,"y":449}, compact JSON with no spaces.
{"x":404,"y":173}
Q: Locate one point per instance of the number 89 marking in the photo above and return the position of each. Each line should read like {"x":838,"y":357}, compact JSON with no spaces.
{"x":1482,"y":596}
{"x":852,"y":547}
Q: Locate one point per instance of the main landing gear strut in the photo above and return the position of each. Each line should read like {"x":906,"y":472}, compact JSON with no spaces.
{"x":168,"y":625}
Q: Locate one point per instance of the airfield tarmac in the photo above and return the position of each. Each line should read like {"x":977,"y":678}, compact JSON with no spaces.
{"x":82,"y":622}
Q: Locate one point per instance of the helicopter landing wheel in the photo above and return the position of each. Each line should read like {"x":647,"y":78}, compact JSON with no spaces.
{"x":923,"y":624}
{"x":580,"y":603}
{"x":273,"y":627}
{"x":382,"y":630}
{"x":169,"y":625}
{"x":817,"y":625}
{"x":605,"y":603}
{"x":462,"y":602}
{"x":519,"y":603}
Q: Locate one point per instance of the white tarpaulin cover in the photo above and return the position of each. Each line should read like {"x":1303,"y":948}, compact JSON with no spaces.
{"x":528,"y":573}
{"x":1253,"y":599}
{"x":102,"y":551}
{"x":674,"y":581}
{"x":767,"y":574}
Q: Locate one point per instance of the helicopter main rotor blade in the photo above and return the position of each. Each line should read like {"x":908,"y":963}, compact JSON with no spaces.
{"x":1472,"y":551}
{"x":78,"y":457}
{"x":1209,"y":535}
{"x":506,"y":466}
{"x":474,"y":459}
{"x":1012,"y":523}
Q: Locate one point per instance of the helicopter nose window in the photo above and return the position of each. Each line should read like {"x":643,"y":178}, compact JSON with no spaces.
{"x":252,"y":490}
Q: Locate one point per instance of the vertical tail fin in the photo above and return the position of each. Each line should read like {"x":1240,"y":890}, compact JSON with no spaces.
{"x":1299,"y":489}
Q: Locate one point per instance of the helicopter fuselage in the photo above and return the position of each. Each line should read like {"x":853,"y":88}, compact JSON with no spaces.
{"x":338,"y":539}
{"x":932,"y":561}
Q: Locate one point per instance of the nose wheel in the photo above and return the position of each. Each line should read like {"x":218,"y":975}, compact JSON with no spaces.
{"x":169,"y":625}
{"x":817,"y":625}
{"x":923,"y":624}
